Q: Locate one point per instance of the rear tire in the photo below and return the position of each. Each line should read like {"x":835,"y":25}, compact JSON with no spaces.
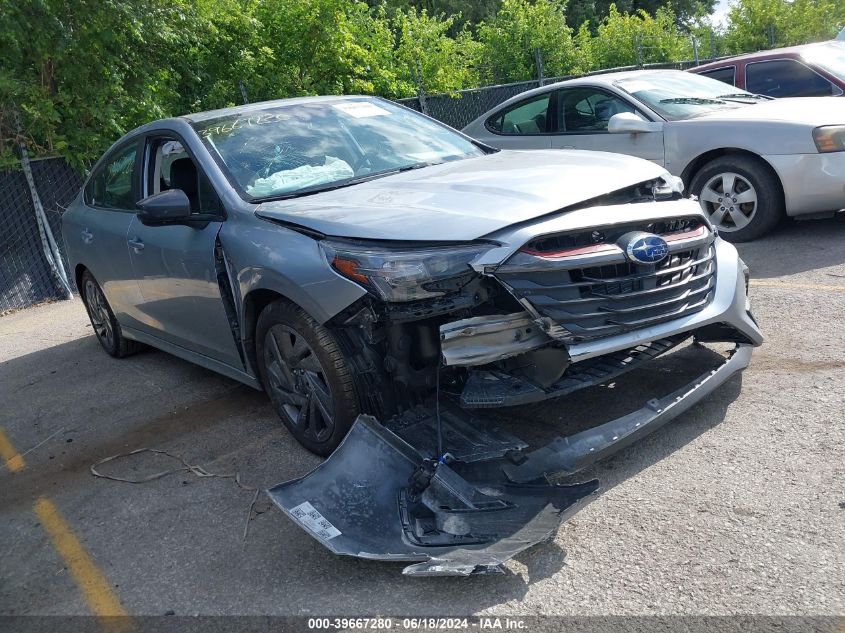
{"x":105,"y":325}
{"x":741,"y":196}
{"x":308,"y":378}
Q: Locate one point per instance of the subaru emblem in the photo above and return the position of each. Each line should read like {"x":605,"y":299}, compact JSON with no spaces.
{"x":644,"y":248}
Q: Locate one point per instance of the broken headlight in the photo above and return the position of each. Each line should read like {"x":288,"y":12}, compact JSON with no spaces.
{"x":404,"y":274}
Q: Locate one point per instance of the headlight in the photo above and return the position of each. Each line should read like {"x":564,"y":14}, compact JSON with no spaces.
{"x":830,"y":138}
{"x":404,"y":274}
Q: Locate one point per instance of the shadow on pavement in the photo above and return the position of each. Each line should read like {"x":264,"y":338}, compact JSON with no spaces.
{"x":796,"y":247}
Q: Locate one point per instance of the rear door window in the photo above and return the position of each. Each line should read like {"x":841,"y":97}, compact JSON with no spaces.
{"x":527,"y":117}
{"x":786,"y":78}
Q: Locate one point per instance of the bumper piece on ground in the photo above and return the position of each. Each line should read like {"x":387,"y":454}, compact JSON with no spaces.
{"x":567,"y":455}
{"x":384,"y":494}
{"x":376,"y":497}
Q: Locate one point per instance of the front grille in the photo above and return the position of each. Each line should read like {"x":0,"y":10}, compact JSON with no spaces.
{"x":614,"y":295}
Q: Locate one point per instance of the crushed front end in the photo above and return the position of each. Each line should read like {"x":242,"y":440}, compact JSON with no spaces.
{"x":548,"y":308}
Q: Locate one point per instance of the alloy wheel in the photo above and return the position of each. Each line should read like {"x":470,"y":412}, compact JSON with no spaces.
{"x":99,"y":313}
{"x":298,"y":383}
{"x":729,"y":200}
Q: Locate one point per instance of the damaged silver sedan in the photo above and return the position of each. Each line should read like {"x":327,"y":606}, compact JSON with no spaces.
{"x":386,"y":279}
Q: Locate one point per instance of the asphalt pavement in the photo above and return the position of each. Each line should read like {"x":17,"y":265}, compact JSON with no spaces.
{"x":736,"y":507}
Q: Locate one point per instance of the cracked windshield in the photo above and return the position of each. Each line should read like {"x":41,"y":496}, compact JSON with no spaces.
{"x":309,"y":147}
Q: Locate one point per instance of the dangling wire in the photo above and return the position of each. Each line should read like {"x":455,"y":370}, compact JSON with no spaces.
{"x":437,"y":415}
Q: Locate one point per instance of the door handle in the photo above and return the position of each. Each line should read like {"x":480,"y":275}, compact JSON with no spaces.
{"x":87,"y":236}
{"x":136,"y":243}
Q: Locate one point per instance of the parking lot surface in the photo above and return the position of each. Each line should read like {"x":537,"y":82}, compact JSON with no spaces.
{"x":736,"y":507}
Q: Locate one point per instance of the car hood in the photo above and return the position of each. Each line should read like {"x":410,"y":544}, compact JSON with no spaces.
{"x":810,"y":110}
{"x":463,"y":200}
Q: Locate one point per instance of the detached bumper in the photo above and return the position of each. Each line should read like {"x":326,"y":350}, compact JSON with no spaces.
{"x":381,"y":496}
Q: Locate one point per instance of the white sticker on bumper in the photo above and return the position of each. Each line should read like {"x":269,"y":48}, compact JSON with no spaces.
{"x":306,"y":514}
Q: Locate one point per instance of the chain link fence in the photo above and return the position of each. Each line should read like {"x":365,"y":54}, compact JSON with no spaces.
{"x":30,"y":241}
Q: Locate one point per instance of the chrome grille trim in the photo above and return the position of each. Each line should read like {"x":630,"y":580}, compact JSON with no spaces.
{"x":591,"y":299}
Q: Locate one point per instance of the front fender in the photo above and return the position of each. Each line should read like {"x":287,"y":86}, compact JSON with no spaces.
{"x":265,"y":256}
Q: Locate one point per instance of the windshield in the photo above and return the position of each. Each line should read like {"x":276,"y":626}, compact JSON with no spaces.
{"x":679,"y":95}
{"x":829,"y":57}
{"x":302,"y":148}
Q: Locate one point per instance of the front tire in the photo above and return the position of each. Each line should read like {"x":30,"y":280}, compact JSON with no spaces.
{"x":105,"y":325}
{"x":741,"y":196}
{"x":307,"y":376}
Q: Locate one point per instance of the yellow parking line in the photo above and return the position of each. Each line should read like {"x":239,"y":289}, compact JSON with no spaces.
{"x":14,"y":461}
{"x":785,"y":284}
{"x":95,"y":588}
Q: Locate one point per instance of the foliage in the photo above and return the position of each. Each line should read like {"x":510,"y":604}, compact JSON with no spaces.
{"x":636,"y":38}
{"x":77,"y":74}
{"x":74,"y":75}
{"x":760,"y":24}
{"x":520,"y":27}
{"x":425,"y":52}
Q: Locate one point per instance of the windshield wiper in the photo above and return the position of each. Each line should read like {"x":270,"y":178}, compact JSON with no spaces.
{"x":691,"y":100}
{"x":347,"y":182}
{"x":745,"y":95}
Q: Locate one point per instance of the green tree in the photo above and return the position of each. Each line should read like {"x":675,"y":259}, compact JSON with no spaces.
{"x":77,"y":74}
{"x":760,"y":24}
{"x":508,"y":41}
{"x":627,"y":39}
{"x":425,"y":52}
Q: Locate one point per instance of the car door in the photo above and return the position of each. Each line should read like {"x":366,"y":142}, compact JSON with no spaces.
{"x":522,"y":125}
{"x":176,"y":266}
{"x":101,"y":224}
{"x":581,"y":115}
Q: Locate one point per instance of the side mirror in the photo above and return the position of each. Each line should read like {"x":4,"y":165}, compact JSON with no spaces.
{"x":628,"y":122}
{"x":168,"y":207}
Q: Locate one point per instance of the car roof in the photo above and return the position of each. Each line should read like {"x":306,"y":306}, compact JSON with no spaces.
{"x":786,"y":51}
{"x":601,"y":79}
{"x":264,"y":105}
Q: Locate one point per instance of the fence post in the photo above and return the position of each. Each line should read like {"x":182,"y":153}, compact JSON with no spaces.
{"x":242,"y":88}
{"x":770,"y":33}
{"x":638,"y":48}
{"x":421,"y":88}
{"x":48,"y":241}
{"x":538,"y":62}
{"x":695,"y":50}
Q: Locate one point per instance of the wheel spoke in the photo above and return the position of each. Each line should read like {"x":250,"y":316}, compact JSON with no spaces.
{"x":740,"y":219}
{"x":300,"y":350}
{"x":718,"y":216}
{"x":303,"y":420}
{"x":286,"y":348}
{"x":728,"y":183}
{"x":322,"y":397}
{"x":746,"y":196}
{"x":279,"y":356}
{"x":710,"y":195}
{"x":310,"y":363}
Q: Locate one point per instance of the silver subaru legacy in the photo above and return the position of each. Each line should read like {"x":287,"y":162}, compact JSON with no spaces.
{"x":385,"y":279}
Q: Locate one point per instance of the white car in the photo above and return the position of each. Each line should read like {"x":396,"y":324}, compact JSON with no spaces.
{"x":749,"y":159}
